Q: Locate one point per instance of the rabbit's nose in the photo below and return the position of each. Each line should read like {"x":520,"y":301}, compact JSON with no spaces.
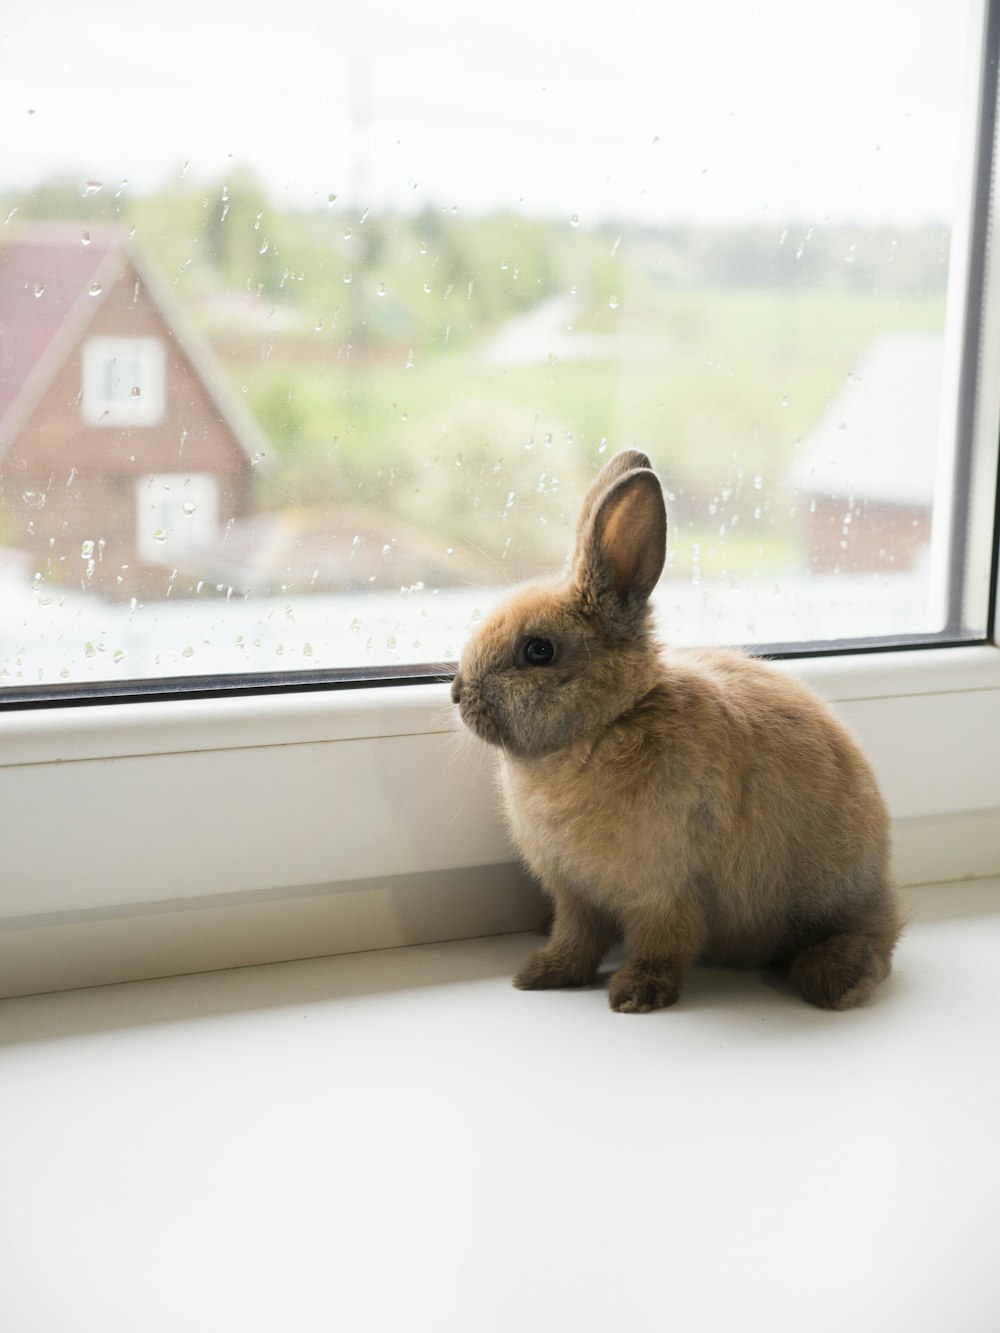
{"x":456,"y":688}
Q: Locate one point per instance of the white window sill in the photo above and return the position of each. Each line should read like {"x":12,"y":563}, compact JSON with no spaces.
{"x":401,"y":1142}
{"x":155,"y":838}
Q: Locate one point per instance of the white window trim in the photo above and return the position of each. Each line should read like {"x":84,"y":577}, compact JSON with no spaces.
{"x":149,"y":406}
{"x":165,"y":528}
{"x":161,"y":837}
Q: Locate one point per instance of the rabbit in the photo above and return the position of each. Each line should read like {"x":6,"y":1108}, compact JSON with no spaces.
{"x":692,"y":803}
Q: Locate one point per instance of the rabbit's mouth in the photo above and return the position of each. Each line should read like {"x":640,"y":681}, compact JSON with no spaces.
{"x":480,"y":722}
{"x":474,"y":711}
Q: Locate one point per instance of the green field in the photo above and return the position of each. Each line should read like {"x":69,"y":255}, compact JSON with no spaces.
{"x":497,"y":457}
{"x":361,"y":344}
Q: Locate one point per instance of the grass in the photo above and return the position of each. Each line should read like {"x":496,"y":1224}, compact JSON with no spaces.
{"x":448,"y":439}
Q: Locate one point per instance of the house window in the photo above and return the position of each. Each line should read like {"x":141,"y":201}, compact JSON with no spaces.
{"x":177,"y":517}
{"x":409,"y":355}
{"x":124,"y":381}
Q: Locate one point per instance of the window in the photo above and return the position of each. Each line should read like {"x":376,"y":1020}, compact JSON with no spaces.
{"x":413,"y":300}
{"x":123,"y":381}
{"x":177,"y":515}
{"x":416,"y":313}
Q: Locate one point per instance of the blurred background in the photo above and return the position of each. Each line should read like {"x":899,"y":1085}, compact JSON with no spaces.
{"x":314,"y":326}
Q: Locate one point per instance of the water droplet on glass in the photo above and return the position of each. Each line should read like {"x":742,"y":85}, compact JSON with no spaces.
{"x":613,"y":302}
{"x":574,"y":220}
{"x":784,"y":400}
{"x":842,"y":425}
{"x":159,"y":535}
{"x":95,"y":289}
{"x":188,"y":652}
{"x":85,"y":238}
{"x":39,"y":289}
{"x":390,"y":642}
{"x":331,"y":199}
{"x":92,"y":187}
{"x":348,"y":277}
{"x":189,"y":508}
{"x":264,"y":248}
{"x":90,"y":650}
{"x":257,"y":458}
{"x":136,"y":391}
{"x":427,"y":289}
{"x":117,"y":656}
{"x":86,"y":550}
{"x":381,"y":289}
{"x":758,"y":481}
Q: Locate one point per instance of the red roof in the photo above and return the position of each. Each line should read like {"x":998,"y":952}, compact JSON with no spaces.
{"x":43,"y":275}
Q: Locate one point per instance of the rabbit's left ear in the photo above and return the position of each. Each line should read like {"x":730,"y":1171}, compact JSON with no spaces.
{"x":613,"y":470}
{"x":623,"y":542}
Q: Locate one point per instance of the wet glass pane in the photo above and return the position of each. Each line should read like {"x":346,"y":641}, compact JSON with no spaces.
{"x":314,"y":325}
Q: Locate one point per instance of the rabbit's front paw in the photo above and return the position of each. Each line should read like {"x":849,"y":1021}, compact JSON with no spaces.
{"x":547,"y":970}
{"x":640,"y":987}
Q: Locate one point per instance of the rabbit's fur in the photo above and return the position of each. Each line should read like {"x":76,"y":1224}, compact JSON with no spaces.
{"x":696,"y":803}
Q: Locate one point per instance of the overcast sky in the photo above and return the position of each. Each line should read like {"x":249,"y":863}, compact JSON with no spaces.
{"x":702,"y":111}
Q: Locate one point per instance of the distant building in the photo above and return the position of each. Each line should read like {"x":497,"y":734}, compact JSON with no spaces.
{"x":866,"y":474}
{"x":123,"y":449}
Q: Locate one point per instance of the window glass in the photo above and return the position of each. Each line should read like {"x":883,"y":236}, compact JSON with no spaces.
{"x":312,"y":334}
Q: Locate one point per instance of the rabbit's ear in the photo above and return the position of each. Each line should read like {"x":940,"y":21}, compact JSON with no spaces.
{"x":624,"y":543}
{"x":613,"y":470}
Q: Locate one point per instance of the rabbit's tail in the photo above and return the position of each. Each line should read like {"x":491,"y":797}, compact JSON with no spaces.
{"x":844,"y":970}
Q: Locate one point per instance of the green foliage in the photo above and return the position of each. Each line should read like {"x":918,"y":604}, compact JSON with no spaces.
{"x":363,"y":343}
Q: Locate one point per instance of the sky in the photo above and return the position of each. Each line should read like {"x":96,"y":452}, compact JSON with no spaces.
{"x":730,"y":111}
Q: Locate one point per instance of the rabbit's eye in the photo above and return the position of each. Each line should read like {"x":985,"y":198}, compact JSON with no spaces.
{"x":539,"y":652}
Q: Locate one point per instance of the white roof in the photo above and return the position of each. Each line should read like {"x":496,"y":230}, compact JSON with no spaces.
{"x":878,"y":440}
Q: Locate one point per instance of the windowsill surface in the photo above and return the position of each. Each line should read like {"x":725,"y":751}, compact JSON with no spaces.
{"x":401,"y":1141}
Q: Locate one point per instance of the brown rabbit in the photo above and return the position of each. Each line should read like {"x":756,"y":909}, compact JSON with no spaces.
{"x":696,"y":803}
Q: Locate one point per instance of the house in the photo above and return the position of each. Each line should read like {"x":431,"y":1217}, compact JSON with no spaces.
{"x":124,"y":451}
{"x":866,"y":475}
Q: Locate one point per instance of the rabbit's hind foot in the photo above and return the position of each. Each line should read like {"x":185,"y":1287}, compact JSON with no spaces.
{"x":841,"y":972}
